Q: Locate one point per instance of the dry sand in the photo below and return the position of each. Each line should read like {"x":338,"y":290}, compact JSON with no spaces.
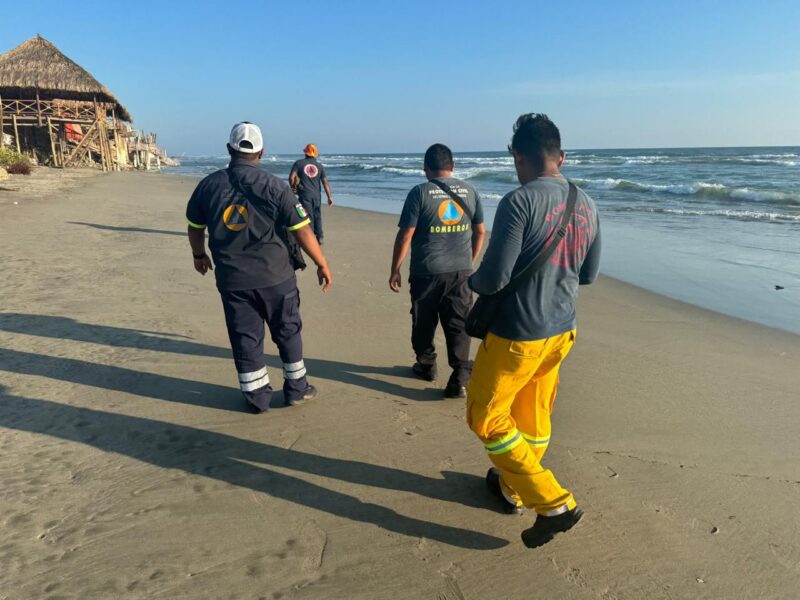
{"x":129,"y":469}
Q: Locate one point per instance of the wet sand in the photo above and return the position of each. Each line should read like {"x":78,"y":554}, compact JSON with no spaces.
{"x":129,"y":468}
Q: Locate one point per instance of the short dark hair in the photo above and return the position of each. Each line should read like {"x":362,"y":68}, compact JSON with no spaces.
{"x":439,"y":158}
{"x":536,"y":137}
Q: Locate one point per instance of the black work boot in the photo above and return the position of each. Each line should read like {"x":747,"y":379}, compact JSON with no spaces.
{"x":309,"y":394}
{"x":456,"y":385}
{"x":455,"y":390}
{"x":426,"y":372}
{"x":546,"y":528}
{"x":493,"y":483}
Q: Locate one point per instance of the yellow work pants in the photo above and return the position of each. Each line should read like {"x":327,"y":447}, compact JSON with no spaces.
{"x":509,"y":402}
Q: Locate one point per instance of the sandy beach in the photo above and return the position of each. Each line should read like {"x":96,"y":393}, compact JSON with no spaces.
{"x":130,"y":469}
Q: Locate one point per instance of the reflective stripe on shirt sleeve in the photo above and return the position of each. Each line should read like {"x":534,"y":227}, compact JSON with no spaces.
{"x":299,"y":225}
{"x":195,"y":225}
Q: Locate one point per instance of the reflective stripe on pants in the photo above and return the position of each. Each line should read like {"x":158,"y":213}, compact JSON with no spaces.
{"x":509,"y":401}
{"x":246,"y":311}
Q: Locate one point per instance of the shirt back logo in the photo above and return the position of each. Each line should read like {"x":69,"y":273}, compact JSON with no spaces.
{"x":235,"y":217}
{"x":311,"y":170}
{"x":450,"y":213}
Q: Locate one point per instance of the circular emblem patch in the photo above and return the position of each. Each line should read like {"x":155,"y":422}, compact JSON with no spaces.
{"x":311,"y":170}
{"x":450,"y":213}
{"x":235,"y":217}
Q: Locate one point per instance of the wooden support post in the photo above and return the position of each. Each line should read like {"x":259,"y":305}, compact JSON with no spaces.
{"x":38,"y":108}
{"x":117,"y":149}
{"x":2,"y":123}
{"x":16,"y":133}
{"x":52,"y":142}
{"x":101,"y":137}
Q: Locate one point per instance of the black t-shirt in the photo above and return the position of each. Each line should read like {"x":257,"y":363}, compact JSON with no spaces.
{"x":311,"y":173}
{"x":442,"y":241}
{"x":247,"y":250}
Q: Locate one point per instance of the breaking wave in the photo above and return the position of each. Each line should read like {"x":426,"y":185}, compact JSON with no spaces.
{"x":713,"y":190}
{"x":739,"y":215}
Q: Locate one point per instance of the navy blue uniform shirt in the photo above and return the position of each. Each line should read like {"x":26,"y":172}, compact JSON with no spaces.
{"x":247,"y":250}
{"x":311,"y":173}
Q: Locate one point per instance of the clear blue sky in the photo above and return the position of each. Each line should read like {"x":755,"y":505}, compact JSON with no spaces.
{"x":396,"y":76}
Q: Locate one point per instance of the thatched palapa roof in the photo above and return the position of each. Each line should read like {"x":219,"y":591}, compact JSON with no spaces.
{"x":38,"y":65}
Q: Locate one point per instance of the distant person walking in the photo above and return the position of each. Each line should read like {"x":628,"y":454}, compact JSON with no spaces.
{"x":307,"y":177}
{"x":252,"y":219}
{"x":514,"y":380}
{"x":442,"y":222}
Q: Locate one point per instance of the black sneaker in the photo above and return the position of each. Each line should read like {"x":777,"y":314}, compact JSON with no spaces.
{"x":493,"y":483}
{"x":455,"y":390}
{"x":546,"y":528}
{"x":253,"y":409}
{"x":310,"y":394}
{"x":426,"y":372}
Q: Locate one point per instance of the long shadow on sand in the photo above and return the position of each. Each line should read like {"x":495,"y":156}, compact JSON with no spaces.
{"x":64,"y":328}
{"x":120,"y":379}
{"x":246,"y":464}
{"x":365,"y":376}
{"x":128,"y":229}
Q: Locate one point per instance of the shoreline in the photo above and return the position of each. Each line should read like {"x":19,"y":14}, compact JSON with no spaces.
{"x":45,"y":180}
{"x":678,"y":265}
{"x":131,"y":469}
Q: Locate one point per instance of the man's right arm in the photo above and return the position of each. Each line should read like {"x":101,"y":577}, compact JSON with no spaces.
{"x":196,"y":217}
{"x":294,"y":180}
{"x":402,"y":242}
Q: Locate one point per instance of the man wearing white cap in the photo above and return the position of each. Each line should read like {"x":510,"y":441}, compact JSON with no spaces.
{"x":254,"y":221}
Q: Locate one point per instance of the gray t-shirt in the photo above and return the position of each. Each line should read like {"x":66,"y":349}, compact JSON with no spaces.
{"x":544,"y":304}
{"x":442,"y":241}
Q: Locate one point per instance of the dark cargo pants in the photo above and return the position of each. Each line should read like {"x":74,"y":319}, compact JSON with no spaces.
{"x":245,"y":314}
{"x":444,"y":297}
{"x":313,"y":206}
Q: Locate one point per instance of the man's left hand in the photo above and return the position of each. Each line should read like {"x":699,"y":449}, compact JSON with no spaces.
{"x":330,"y":201}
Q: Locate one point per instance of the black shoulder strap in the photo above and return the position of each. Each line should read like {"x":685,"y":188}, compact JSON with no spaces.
{"x":250,"y":195}
{"x":458,"y":199}
{"x":543,"y":256}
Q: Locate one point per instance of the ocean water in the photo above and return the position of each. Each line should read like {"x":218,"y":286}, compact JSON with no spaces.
{"x":715,"y":227}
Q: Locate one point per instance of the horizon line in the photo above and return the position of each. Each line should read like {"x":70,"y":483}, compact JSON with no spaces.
{"x":456,"y":152}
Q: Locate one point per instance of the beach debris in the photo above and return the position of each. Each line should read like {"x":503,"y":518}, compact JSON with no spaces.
{"x":779,"y":287}
{"x":714,"y":530}
{"x":699,"y":580}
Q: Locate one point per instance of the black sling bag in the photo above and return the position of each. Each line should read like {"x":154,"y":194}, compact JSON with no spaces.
{"x":292,"y":247}
{"x":483,"y":312}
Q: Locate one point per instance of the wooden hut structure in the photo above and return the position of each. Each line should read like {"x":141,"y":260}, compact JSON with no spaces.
{"x":57,"y":113}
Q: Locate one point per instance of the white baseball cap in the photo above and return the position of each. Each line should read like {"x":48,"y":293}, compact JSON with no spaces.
{"x":246,"y":137}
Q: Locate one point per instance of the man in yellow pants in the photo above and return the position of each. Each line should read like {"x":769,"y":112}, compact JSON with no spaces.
{"x":515,"y":376}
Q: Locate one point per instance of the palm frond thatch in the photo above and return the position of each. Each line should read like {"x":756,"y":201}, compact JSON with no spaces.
{"x":38,"y":65}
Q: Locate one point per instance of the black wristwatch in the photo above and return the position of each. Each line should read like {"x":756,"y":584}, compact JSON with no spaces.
{"x":199,"y":256}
